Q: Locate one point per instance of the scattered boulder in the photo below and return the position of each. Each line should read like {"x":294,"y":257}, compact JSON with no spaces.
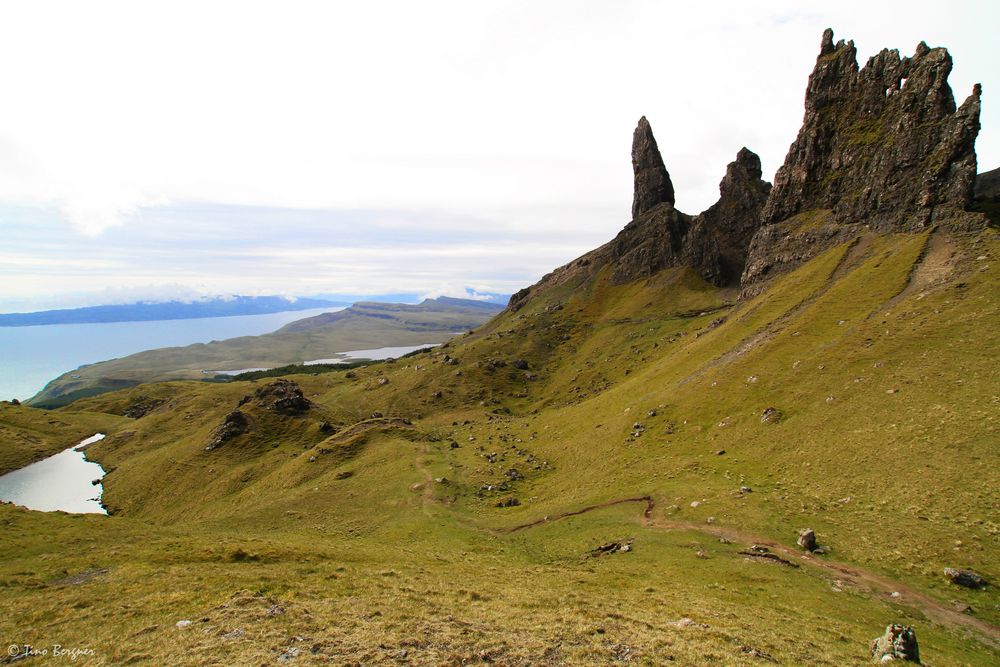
{"x":383,"y":381}
{"x":520,"y":364}
{"x":807,"y":539}
{"x":509,"y":501}
{"x":966,"y":578}
{"x":183,"y":624}
{"x":327,"y":427}
{"x":770,"y":416}
{"x":236,"y":423}
{"x":899,"y":642}
{"x":282,"y":396}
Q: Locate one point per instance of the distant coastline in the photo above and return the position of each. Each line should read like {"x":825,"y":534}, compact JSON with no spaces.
{"x":168,"y":310}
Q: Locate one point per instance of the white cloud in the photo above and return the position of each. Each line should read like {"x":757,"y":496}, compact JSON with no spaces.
{"x":504,"y":119}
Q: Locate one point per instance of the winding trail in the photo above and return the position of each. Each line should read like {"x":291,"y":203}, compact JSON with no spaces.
{"x":859,"y":578}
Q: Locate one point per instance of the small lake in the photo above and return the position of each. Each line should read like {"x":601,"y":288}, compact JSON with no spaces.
{"x":34,"y":355}
{"x":374,"y":354}
{"x":61,"y":482}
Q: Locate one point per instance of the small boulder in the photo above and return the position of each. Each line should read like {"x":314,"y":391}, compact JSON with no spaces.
{"x":770,"y":416}
{"x":509,"y":501}
{"x":807,"y":539}
{"x":966,"y":578}
{"x":898,"y":643}
{"x":520,"y":364}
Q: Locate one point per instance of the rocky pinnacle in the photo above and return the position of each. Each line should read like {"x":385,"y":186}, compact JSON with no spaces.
{"x":652,"y":182}
{"x":883,"y":144}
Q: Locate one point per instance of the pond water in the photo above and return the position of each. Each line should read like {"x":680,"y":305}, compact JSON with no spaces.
{"x":60,"y":482}
{"x":374,"y":354}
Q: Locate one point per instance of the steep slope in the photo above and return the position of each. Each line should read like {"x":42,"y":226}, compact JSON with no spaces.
{"x":362,"y":326}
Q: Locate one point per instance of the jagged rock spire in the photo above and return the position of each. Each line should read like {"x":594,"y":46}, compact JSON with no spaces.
{"x":735,"y":218}
{"x":652,"y":182}
{"x":883,"y":144}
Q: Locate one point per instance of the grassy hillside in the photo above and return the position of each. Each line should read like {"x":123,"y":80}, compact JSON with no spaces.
{"x":362,"y":326}
{"x":445,"y":508}
{"x":28,"y":435}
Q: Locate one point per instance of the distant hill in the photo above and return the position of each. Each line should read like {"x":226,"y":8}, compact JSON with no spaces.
{"x":411,"y":314}
{"x":364,"y":325}
{"x":169,"y":310}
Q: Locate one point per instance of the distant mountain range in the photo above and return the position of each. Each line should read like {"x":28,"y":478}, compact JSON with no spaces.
{"x":145,"y":311}
{"x":169,"y":310}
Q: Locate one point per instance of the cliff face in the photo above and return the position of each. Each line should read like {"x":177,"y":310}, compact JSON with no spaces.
{"x":883,"y":145}
{"x":881,"y":148}
{"x":736,"y":217}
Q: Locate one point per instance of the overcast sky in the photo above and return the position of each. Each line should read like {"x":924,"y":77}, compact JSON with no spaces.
{"x":149,"y":149}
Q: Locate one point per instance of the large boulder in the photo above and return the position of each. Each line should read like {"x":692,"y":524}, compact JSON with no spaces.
{"x":966,"y":578}
{"x":899,"y":642}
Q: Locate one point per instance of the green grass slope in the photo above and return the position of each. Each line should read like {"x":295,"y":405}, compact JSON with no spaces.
{"x":28,"y":434}
{"x":609,"y":413}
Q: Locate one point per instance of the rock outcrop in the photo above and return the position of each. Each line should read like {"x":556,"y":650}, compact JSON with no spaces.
{"x":881,"y":148}
{"x":899,"y":642}
{"x":652,"y":182}
{"x":736,"y":217}
{"x":282,"y":396}
{"x":714,"y":244}
{"x":235,"y":424}
{"x":884,"y":145}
